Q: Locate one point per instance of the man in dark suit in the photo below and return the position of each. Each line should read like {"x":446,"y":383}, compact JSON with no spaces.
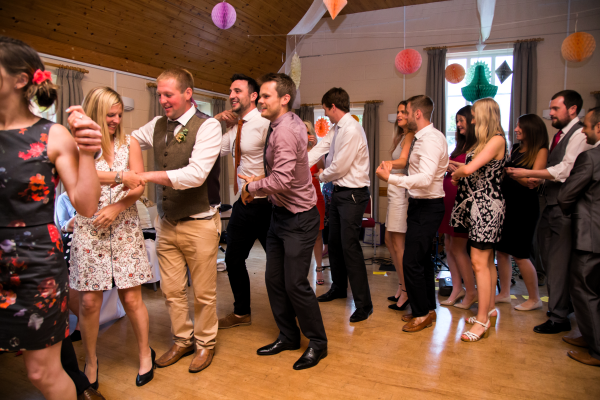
{"x":579,"y":196}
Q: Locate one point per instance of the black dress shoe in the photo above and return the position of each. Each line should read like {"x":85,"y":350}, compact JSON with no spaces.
{"x":141,"y":380}
{"x":276,"y":347}
{"x":361,"y":314}
{"x":550,"y":327}
{"x":332,"y":294}
{"x":310,"y":358}
{"x":401,"y":308}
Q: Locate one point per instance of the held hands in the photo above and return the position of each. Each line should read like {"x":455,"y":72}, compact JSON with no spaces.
{"x":532,"y":183}
{"x":516,"y":173}
{"x":85,"y":131}
{"x":132,"y":180}
{"x":106,"y":216}
{"x":229,"y":117}
{"x":245,"y":196}
{"x":453,"y":166}
{"x":318,"y":173}
{"x":384,"y":170}
{"x":459,"y":173}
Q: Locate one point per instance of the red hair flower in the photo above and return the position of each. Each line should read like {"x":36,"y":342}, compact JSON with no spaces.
{"x":41,"y":76}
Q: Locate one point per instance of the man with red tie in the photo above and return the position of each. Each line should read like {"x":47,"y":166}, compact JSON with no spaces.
{"x":245,"y":138}
{"x":554,"y":230}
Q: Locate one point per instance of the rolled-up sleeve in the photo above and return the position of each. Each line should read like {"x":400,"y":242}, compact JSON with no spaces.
{"x":576,"y":145}
{"x":145,"y":134}
{"x":206,"y":150}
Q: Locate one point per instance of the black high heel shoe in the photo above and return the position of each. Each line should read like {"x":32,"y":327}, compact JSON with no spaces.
{"x":95,"y":384}
{"x":141,"y":380}
{"x":402,"y":307}
{"x":394,"y":298}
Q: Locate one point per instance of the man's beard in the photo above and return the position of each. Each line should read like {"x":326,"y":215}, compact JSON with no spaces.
{"x":411,"y":125}
{"x":559,"y":124}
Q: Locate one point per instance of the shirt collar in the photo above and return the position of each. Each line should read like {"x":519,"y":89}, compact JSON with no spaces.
{"x":570,"y":125}
{"x":423,"y":131}
{"x":279,"y":120}
{"x":251,"y":115}
{"x":345,"y":119}
{"x":185,"y":118}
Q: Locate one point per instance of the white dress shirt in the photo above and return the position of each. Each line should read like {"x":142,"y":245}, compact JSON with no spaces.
{"x":347,"y":164}
{"x":254,"y":134}
{"x":205,"y":153}
{"x":428,"y":164}
{"x":576,"y":145}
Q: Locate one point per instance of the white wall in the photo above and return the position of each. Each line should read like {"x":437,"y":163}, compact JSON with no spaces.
{"x":357,"y":51}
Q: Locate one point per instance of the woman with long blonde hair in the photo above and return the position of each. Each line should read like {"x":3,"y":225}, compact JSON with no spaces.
{"x":108,"y":249}
{"x":479,"y":209}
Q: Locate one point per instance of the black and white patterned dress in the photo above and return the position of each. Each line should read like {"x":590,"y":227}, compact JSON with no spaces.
{"x":479,"y":204}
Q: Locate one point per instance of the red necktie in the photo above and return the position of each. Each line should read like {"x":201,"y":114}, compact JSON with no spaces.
{"x":556,"y":140}
{"x":238,"y":154}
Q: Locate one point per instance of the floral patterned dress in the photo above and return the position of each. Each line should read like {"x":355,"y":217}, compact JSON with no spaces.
{"x":116,"y":255}
{"x":33,"y":272}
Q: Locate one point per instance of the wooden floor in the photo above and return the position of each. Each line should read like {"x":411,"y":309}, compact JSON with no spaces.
{"x":373,"y":359}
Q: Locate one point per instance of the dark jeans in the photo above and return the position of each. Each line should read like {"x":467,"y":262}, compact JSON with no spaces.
{"x":345,"y":253}
{"x":290,"y":243}
{"x":247,"y":223}
{"x":68,"y":358}
{"x":424,"y":217}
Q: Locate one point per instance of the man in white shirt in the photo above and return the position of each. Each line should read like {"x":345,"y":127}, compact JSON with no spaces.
{"x":347,"y":166}
{"x":428,"y":163}
{"x":554,"y":229}
{"x":248,"y":222}
{"x":186,"y":153}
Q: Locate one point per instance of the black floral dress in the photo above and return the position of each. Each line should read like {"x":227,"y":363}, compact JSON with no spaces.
{"x":479,"y":204}
{"x":33,"y":272}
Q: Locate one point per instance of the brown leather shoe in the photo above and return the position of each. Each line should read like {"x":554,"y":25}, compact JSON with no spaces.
{"x":408,"y":317}
{"x":413,"y":326}
{"x":232,"y":320}
{"x":173,"y":355}
{"x":576,"y":341}
{"x":90,"y":394}
{"x":583,"y":357}
{"x":201,"y":360}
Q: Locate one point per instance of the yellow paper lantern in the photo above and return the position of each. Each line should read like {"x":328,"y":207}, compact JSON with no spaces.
{"x":578,"y":47}
{"x":335,"y":6}
{"x":455,"y":73}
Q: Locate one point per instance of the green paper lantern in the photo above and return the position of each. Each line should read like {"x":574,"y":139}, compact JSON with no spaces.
{"x":479,"y":87}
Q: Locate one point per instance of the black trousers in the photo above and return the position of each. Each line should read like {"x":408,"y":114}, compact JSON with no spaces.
{"x":345,"y":253}
{"x":247,"y":223}
{"x":290,"y":243}
{"x":68,"y":359}
{"x":424,"y":217}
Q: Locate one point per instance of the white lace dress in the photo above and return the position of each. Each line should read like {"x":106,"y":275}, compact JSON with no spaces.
{"x":117,"y":254}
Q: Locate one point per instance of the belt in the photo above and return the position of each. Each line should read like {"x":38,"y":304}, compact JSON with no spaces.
{"x":425,"y":201}
{"x":337,"y":188}
{"x":195,"y":219}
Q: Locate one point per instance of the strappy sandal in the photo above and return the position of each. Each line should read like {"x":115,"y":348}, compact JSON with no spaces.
{"x":469,"y":336}
{"x":394,"y":298}
{"x":492,"y":318}
{"x":320,"y":281}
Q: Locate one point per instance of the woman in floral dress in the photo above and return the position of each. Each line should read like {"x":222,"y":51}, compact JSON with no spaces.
{"x":479,"y":209}
{"x":33,"y":273}
{"x":108,"y":250}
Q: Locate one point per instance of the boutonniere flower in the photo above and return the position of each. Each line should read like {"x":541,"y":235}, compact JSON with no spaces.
{"x":180,"y":137}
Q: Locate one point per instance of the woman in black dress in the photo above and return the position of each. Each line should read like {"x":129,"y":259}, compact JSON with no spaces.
{"x":522,"y":210}
{"x":33,"y":273}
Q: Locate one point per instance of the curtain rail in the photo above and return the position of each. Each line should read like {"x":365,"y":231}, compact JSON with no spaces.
{"x":490,"y":43}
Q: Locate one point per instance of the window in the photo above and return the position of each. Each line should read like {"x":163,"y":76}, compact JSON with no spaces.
{"x":454,"y":99}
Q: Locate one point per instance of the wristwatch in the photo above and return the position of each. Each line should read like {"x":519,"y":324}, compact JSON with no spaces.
{"x":118,"y":179}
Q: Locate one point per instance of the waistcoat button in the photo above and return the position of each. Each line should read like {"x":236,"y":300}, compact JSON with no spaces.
{"x":164,"y":165}
{"x":164,"y":197}
{"x":166,"y":153}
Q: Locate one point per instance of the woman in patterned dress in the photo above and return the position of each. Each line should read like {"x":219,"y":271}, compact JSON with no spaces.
{"x":108,"y":249}
{"x":33,"y":272}
{"x":479,"y":209}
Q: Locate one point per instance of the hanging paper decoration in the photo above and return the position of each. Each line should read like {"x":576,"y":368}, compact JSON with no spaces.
{"x":503,"y":72}
{"x":485,"y":8}
{"x":408,"y":61}
{"x":334,"y":6}
{"x":471,"y":72}
{"x":578,"y":46}
{"x":479,"y":87}
{"x":223,"y":15}
{"x":455,"y":73}
{"x":355,"y":117}
{"x":296,"y":69}
{"x":322,"y":127}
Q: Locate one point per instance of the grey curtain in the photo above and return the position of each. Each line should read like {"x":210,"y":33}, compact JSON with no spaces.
{"x":371,"y":127}
{"x":156,"y":110}
{"x":597,"y":96}
{"x":70,"y":93}
{"x":218,"y":106}
{"x":524,"y":83}
{"x":435,"y":87}
{"x":306,"y":114}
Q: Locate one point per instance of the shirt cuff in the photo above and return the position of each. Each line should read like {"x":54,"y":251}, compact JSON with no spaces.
{"x":552,"y":172}
{"x":395,"y":180}
{"x":172,"y":175}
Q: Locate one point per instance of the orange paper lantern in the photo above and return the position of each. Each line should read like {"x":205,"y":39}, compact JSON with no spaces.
{"x":355,"y":117}
{"x":455,"y":73}
{"x":578,"y":47}
{"x":334,"y":6}
{"x":322,"y":127}
{"x":408,"y":61}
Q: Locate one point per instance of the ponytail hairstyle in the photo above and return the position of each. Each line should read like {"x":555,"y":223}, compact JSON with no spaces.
{"x":399,"y":133}
{"x":97,"y":105}
{"x":535,"y":136}
{"x":487,"y":123}
{"x":17,"y":58}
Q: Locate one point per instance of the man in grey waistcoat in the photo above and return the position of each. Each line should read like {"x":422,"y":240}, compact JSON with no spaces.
{"x":554,"y":230}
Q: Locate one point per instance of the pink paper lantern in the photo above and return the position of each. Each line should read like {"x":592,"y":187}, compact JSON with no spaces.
{"x":408,"y":61}
{"x":223,"y":15}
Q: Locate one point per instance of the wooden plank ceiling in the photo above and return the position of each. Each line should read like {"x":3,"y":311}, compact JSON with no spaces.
{"x":147,"y":36}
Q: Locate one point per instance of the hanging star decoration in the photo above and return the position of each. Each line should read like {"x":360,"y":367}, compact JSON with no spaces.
{"x":503,"y":72}
{"x":479,"y":85}
{"x":335,"y":6}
